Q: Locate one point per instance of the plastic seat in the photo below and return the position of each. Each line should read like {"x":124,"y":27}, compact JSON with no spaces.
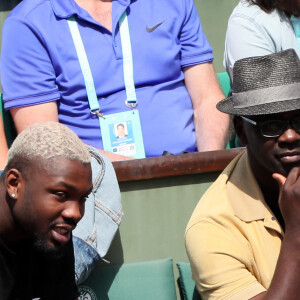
{"x":186,"y":282}
{"x":225,"y":84}
{"x":146,"y":280}
{"x":224,"y":81}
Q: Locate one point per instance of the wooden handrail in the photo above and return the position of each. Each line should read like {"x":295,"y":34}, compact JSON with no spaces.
{"x":174,"y":165}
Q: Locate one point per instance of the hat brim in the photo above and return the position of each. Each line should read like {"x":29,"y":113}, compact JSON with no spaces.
{"x":227,"y":106}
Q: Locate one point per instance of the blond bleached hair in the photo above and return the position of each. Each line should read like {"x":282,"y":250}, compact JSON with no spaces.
{"x":48,"y":140}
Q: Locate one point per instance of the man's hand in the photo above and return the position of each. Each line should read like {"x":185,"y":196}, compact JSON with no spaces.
{"x":285,"y":282}
{"x":289,"y":199}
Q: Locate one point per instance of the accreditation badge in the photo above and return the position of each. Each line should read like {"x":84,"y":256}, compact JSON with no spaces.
{"x":122,"y":134}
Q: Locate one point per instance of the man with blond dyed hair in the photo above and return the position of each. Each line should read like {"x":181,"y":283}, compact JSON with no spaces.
{"x":42,"y":195}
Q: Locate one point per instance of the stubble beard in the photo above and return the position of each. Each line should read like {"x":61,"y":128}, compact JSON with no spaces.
{"x":41,"y":246}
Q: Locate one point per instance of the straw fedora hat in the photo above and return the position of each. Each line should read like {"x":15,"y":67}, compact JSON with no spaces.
{"x":264,"y":85}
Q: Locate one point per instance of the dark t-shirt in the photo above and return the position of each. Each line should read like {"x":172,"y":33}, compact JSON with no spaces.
{"x":26,"y":274}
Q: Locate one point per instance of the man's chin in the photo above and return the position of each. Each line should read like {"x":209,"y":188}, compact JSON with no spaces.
{"x":284,"y":167}
{"x":49,"y":249}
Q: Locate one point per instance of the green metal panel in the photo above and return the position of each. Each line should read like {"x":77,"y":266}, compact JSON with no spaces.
{"x":156,"y":215}
{"x":5,"y":7}
{"x":3,"y":15}
{"x":214,"y":15}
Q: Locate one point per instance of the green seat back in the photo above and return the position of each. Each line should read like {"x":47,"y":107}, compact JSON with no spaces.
{"x":131,"y":281}
{"x":10,"y":131}
{"x":187,"y":284}
{"x":224,"y":82}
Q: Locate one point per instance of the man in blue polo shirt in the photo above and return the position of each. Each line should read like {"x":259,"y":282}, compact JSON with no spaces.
{"x":49,"y":73}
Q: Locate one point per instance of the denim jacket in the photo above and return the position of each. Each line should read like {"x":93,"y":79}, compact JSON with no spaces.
{"x":103,"y":213}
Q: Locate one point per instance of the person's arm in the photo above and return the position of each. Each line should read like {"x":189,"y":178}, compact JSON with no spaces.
{"x":286,"y":278}
{"x":211,"y":125}
{"x":3,"y":145}
{"x":28,"y":115}
{"x":220,"y":265}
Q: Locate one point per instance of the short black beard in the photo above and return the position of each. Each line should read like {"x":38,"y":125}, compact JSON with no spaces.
{"x":52,"y":252}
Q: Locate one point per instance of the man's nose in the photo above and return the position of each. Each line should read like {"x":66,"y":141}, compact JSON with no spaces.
{"x":289,"y":136}
{"x":74,"y":211}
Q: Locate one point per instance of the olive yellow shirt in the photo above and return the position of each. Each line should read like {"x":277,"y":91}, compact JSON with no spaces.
{"x":233,"y":239}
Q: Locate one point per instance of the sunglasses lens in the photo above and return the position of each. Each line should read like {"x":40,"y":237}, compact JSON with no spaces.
{"x":273,"y":127}
{"x":296,"y":124}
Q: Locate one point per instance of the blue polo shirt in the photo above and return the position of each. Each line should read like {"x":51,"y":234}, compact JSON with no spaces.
{"x":39,"y":64}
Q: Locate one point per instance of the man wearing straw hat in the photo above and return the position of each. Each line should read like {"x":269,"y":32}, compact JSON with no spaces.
{"x":243,"y":239}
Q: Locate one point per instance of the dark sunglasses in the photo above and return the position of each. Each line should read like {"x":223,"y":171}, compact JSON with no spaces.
{"x":275,"y":128}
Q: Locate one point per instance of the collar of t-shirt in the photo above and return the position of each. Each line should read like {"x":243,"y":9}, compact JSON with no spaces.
{"x":67,"y":8}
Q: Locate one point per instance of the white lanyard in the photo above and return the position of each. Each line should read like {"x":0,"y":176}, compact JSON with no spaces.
{"x":131,"y":100}
{"x":127,"y":62}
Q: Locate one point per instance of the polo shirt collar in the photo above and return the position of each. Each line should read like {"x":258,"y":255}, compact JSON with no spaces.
{"x":246,"y":198}
{"x":64,"y":9}
{"x":67,"y":8}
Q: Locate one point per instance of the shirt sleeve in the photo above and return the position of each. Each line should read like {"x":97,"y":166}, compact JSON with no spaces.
{"x":245,"y":38}
{"x":27,"y":75}
{"x":195,"y":48}
{"x":221,"y":265}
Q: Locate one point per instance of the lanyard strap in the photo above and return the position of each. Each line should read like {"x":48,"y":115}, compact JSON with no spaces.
{"x":296,"y":25}
{"x":85,"y":66}
{"x":131,"y":100}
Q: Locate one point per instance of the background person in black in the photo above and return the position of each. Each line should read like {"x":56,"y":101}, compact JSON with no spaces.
{"x":42,"y":194}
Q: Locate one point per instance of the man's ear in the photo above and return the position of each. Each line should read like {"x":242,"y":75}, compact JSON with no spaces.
{"x":14,"y":182}
{"x":240,"y":130}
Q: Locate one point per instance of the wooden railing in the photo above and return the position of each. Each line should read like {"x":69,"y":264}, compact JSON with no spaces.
{"x":174,"y":165}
